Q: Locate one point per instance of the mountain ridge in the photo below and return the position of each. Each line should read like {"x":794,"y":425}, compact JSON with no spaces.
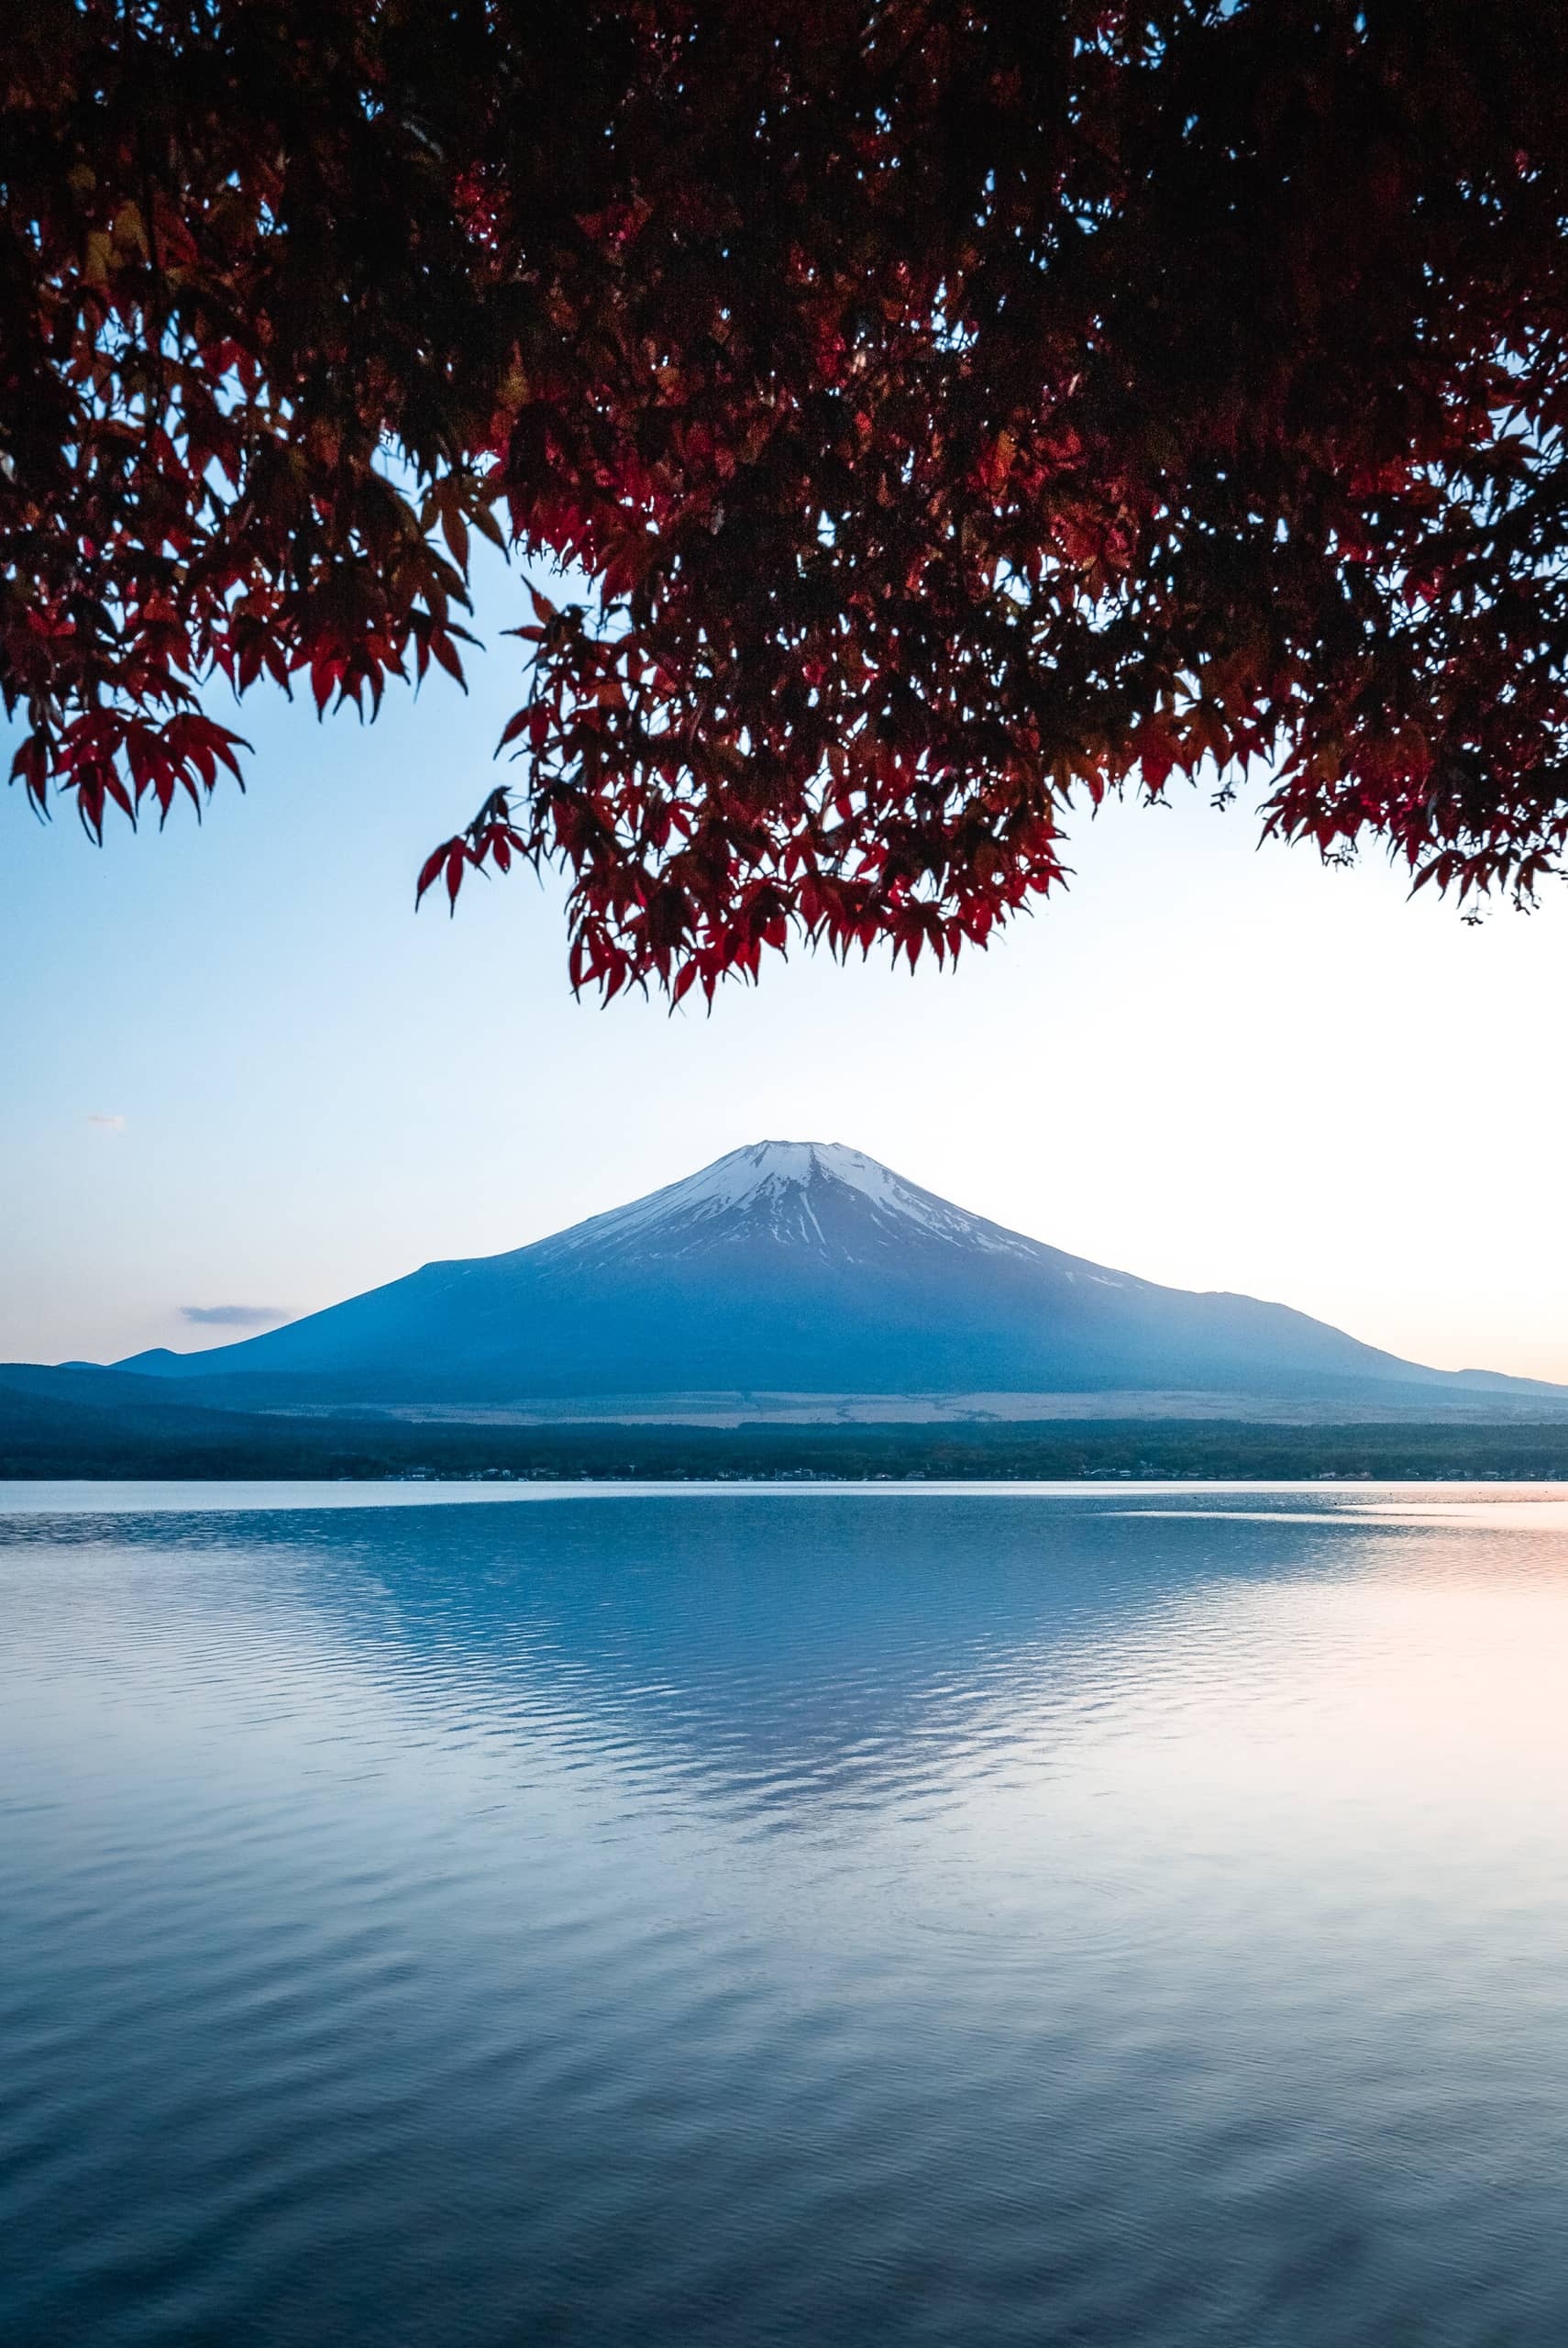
{"x":801,"y":1268}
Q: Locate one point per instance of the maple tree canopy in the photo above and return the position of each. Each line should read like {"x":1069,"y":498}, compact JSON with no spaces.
{"x":941,"y":414}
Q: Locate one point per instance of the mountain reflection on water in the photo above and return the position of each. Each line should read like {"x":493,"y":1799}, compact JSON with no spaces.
{"x":1105,"y":1917}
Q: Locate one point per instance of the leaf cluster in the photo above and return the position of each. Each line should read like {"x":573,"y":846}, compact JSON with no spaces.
{"x":952,"y":412}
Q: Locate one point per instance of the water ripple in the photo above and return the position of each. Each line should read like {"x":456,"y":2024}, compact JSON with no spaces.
{"x":783,"y":1918}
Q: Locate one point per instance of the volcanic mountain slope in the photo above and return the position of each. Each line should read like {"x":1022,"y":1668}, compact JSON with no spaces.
{"x":791,"y":1267}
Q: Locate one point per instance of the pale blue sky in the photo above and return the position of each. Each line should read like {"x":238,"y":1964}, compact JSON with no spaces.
{"x":1210,"y":1066}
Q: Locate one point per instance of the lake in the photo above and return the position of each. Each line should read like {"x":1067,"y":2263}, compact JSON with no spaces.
{"x":1115,"y":1915}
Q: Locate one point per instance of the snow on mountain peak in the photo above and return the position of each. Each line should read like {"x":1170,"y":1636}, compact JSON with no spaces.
{"x":820,"y":1194}
{"x":767,"y":1166}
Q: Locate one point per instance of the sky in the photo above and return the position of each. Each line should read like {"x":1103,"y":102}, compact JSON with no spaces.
{"x":243,"y":1078}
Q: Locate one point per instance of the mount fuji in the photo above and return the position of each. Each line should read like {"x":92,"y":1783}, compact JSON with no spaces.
{"x":804,"y":1278}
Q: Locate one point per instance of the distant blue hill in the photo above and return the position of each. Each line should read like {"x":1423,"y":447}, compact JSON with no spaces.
{"x":805,"y":1269}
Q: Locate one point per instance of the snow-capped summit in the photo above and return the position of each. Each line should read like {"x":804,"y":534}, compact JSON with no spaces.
{"x":801,"y":1268}
{"x":816,"y":1195}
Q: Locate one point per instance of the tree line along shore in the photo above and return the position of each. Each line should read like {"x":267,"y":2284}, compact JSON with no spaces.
{"x":40,"y":1438}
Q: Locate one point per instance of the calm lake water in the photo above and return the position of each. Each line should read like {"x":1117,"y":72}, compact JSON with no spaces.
{"x":1118,"y":1916}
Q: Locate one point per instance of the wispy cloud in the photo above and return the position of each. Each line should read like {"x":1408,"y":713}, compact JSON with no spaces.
{"x":106,"y":1124}
{"x":232,"y":1316}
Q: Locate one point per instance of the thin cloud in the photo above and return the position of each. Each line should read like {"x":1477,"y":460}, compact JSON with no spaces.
{"x":106,"y":1124}
{"x":232,"y":1316}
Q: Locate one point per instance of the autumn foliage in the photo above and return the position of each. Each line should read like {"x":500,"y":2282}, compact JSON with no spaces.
{"x":939,"y":416}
